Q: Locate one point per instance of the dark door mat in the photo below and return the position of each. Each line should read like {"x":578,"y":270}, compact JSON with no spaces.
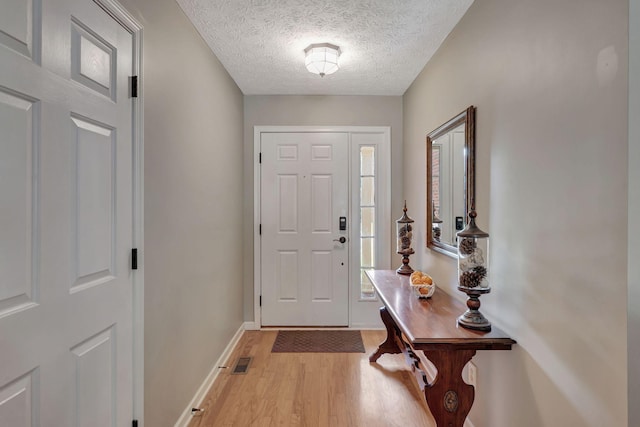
{"x":318,"y":342}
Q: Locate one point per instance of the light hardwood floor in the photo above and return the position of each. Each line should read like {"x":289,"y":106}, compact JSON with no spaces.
{"x":314,"y":389}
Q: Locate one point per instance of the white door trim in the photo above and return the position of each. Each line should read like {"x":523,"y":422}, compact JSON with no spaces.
{"x":364,"y":311}
{"x":257,"y":130}
{"x":120,"y":14}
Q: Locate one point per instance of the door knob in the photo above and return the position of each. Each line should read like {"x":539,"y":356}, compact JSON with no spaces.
{"x":342,"y":239}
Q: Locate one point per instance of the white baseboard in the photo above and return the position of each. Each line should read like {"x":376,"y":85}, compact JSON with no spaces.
{"x":184,"y":419}
{"x":376,"y":326}
{"x":251,"y":326}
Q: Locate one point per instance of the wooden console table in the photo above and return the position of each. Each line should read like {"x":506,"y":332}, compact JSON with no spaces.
{"x":430,"y":326}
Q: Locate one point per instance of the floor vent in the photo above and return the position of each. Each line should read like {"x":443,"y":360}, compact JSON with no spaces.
{"x":242,"y":366}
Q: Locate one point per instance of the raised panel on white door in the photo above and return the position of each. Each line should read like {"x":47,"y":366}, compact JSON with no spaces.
{"x":288,"y":203}
{"x":321,"y":276}
{"x":19,"y":401}
{"x":95,"y":369}
{"x":287,"y":275}
{"x":321,"y":203}
{"x":19,"y":195}
{"x":20,"y":26}
{"x":321,"y":152}
{"x":287,"y":152}
{"x":93,"y":60}
{"x":94,"y":203}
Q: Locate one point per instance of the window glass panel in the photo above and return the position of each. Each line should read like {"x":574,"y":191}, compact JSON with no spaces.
{"x":367,"y":191}
{"x":367,"y":217}
{"x":367,"y":255}
{"x":366,"y":288}
{"x":367,"y":160}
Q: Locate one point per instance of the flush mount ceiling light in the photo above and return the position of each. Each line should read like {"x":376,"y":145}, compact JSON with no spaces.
{"x":322,"y":58}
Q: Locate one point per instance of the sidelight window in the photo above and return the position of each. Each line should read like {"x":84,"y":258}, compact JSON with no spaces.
{"x":367,"y":218}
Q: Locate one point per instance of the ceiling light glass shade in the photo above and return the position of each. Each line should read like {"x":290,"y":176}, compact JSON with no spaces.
{"x":322,"y":58}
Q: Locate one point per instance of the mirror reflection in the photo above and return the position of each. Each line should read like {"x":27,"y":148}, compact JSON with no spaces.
{"x":450,"y":180}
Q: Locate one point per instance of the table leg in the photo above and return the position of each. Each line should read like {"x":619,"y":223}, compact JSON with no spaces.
{"x":448,"y":396}
{"x":389,"y":345}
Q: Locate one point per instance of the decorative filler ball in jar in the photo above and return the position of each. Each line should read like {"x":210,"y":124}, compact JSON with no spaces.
{"x":473,"y":272}
{"x":404,"y":228}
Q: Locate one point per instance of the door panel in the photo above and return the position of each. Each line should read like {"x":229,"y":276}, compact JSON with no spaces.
{"x":94,"y":196}
{"x":17,"y":28}
{"x":304,"y":191}
{"x":287,"y":197}
{"x":321,"y":206}
{"x":95,"y":391}
{"x":66,"y":217}
{"x":17,"y":397}
{"x":287,"y":275}
{"x":18,"y":148}
{"x":321,"y":275}
{"x":93,"y":60}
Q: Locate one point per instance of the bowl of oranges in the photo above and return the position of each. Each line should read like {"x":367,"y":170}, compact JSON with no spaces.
{"x":422,"y":284}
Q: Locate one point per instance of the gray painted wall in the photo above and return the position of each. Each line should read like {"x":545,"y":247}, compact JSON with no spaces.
{"x":263,"y":110}
{"x":193,"y":202}
{"x":549,"y":80}
{"x":634,"y":213}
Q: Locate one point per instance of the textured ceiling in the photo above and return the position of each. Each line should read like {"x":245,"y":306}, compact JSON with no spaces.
{"x":384,"y":43}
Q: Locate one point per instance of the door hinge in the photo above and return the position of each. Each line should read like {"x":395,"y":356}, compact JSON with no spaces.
{"x":260,"y":300}
{"x":134,"y":423}
{"x":133,"y":81}
{"x":260,"y":157}
{"x":134,"y":259}
{"x":260,"y":229}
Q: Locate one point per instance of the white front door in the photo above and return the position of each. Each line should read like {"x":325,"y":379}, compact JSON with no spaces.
{"x":304,"y":195}
{"x":65,"y":215}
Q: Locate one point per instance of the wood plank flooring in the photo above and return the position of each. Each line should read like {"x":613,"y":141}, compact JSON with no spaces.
{"x":314,"y":389}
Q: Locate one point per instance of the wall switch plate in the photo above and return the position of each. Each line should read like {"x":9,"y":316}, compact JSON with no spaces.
{"x":472,"y":374}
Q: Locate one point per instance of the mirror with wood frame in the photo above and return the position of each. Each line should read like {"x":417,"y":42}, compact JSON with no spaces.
{"x":450,"y":180}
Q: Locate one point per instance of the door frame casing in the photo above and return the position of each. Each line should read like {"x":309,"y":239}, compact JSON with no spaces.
{"x":131,"y":24}
{"x":385,"y":192}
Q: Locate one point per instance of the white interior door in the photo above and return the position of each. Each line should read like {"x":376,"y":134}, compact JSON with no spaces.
{"x":65,"y":215}
{"x":304,"y":193}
